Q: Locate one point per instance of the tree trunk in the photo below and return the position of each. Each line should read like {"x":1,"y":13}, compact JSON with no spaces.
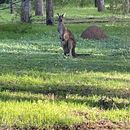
{"x":25,"y":11}
{"x":11,"y":7}
{"x":95,"y":2}
{"x":129,"y":6}
{"x":49,"y":12}
{"x":100,"y":4}
{"x":39,"y":7}
{"x":126,"y":7}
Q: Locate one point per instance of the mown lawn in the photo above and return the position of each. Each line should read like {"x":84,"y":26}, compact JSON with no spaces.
{"x":39,"y":87}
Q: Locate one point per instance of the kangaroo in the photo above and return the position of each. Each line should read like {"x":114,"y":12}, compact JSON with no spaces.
{"x":67,"y":39}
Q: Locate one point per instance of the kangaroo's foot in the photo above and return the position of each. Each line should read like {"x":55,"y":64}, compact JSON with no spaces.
{"x":70,"y":53}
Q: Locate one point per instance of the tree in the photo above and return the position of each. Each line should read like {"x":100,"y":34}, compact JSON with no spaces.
{"x":25,"y":11}
{"x":95,"y":2}
{"x":49,"y":12}
{"x":100,"y":5}
{"x":127,"y":6}
{"x":2,"y":1}
{"x":11,"y":7}
{"x":39,"y":7}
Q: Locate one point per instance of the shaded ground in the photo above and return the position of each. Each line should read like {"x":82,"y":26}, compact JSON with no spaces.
{"x":100,"y":125}
{"x":103,"y":124}
{"x":91,"y":19}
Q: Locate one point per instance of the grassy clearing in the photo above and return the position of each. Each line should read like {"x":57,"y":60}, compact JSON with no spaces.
{"x":72,"y":12}
{"x":40,"y":87}
{"x":78,"y":12}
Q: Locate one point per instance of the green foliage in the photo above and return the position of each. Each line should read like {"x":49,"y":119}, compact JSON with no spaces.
{"x":119,"y":6}
{"x":79,"y":3}
{"x":69,"y":3}
{"x":72,"y":11}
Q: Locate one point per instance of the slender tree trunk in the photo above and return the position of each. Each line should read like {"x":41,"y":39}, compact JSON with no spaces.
{"x":129,"y":6}
{"x":39,"y":7}
{"x":11,"y":7}
{"x":95,"y":2}
{"x":100,"y":5}
{"x":25,"y":11}
{"x":49,"y":12}
{"x":126,"y":7}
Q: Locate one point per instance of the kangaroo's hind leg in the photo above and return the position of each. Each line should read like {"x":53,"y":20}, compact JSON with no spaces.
{"x":65,"y":47}
{"x":73,"y":52}
{"x":71,"y":47}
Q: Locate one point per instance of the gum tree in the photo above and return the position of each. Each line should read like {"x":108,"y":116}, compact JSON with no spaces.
{"x":25,"y":11}
{"x":100,"y":5}
{"x":95,"y":2}
{"x":11,"y":7}
{"x":49,"y":12}
{"x":39,"y":7}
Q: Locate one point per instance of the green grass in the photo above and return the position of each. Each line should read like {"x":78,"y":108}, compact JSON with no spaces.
{"x":78,"y":12}
{"x":42,"y":88}
{"x":40,"y":113}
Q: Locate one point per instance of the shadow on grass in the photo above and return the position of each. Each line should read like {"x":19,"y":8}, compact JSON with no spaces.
{"x":94,"y":103}
{"x":60,"y":92}
{"x":65,"y":95}
{"x":86,"y":101}
{"x":115,"y":79}
{"x":57,"y":63}
{"x":64,"y":90}
{"x":83,"y":55}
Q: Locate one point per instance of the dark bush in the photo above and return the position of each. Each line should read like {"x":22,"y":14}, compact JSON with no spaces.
{"x":4,"y":1}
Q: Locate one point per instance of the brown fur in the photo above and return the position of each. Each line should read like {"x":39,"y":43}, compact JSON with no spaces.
{"x":67,"y":39}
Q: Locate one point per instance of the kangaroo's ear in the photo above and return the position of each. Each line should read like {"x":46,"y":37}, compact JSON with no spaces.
{"x":63,"y":15}
{"x":58,"y":14}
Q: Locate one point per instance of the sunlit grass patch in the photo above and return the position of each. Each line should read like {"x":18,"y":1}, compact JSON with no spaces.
{"x":73,"y":12}
{"x":36,"y":110}
{"x":39,"y":114}
{"x":87,"y":83}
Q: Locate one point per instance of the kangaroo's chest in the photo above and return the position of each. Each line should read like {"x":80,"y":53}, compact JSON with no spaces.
{"x":61,"y":29}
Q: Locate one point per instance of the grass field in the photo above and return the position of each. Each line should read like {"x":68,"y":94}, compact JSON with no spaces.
{"x":39,"y":87}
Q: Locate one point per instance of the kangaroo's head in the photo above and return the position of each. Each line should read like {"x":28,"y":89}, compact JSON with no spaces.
{"x":60,"y":17}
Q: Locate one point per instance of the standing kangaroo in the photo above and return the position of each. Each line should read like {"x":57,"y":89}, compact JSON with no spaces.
{"x":67,"y":39}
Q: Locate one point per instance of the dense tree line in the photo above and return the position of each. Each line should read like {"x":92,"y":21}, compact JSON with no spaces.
{"x":38,"y":4}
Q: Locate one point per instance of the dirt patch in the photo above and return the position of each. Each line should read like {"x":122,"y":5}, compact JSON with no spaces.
{"x":99,"y":125}
{"x":94,"y":33}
